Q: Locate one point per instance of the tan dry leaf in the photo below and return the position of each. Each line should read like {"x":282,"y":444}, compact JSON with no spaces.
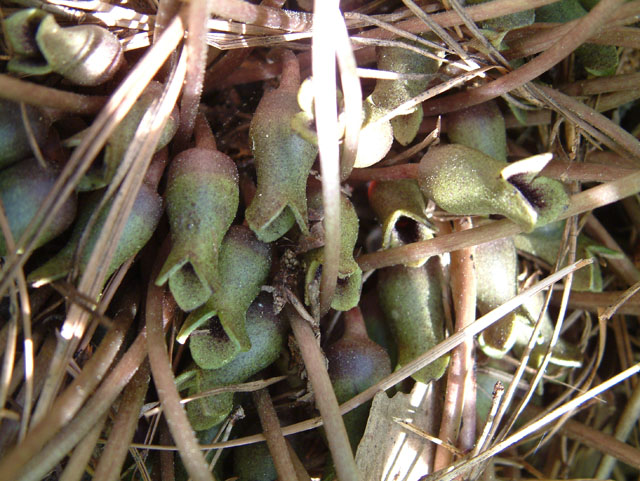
{"x":387,"y":450}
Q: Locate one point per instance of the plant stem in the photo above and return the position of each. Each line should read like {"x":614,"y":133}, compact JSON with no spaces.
{"x":166,"y":385}
{"x":41,"y":96}
{"x":325,"y":397}
{"x":272,"y":431}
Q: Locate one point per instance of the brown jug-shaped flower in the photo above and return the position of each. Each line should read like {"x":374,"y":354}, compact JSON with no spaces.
{"x":355,"y":364}
{"x":347,"y":292}
{"x":14,"y":141}
{"x":243,"y":267}
{"x":282,"y":160}
{"x":23,"y":188}
{"x":202,"y":199}
{"x":411,"y":298}
{"x":267,"y":335}
{"x":101,"y":173}
{"x":140,"y":226}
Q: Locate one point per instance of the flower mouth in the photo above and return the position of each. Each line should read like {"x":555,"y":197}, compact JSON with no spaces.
{"x":534,"y":195}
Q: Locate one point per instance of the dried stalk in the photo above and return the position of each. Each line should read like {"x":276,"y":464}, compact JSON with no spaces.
{"x":272,"y":431}
{"x":326,"y":113}
{"x":71,"y":400}
{"x":587,"y":26}
{"x":124,"y":427}
{"x":325,"y":398}
{"x":166,"y":386}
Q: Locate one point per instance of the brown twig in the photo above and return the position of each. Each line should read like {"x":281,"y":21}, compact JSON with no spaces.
{"x":583,"y":29}
{"x":124,"y":427}
{"x":272,"y":431}
{"x":166,"y":385}
{"x":460,"y":393}
{"x":196,"y":47}
{"x":41,"y":96}
{"x":325,"y":398}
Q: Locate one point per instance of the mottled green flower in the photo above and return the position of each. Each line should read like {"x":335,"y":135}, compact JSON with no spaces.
{"x":347,"y":292}
{"x":465,"y":181}
{"x":243,"y":267}
{"x":140,"y":226}
{"x":401,"y":211}
{"x":14,"y":142}
{"x":411,"y":298}
{"x":23,"y":188}
{"x":545,"y":243}
{"x":267,"y":335}
{"x":101,"y":173}
{"x":282,"y":159}
{"x":86,"y":55}
{"x":202,"y":199}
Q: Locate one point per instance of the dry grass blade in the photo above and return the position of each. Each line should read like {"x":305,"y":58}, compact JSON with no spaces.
{"x":69,"y":372}
{"x":463,"y":466}
{"x":326,"y":113}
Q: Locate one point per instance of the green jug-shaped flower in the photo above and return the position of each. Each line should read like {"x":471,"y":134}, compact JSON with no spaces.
{"x":140,"y":226}
{"x":411,"y":298}
{"x":355,"y":364}
{"x":253,"y":462}
{"x":563,"y":354}
{"x":376,"y":135}
{"x":401,"y":211}
{"x":545,"y":243}
{"x":86,"y":55}
{"x":23,"y":188}
{"x":506,"y":22}
{"x":347,"y":292}
{"x":267,"y":335}
{"x":496,"y":267}
{"x":389,"y":94}
{"x":598,"y":60}
{"x":14,"y":142}
{"x":202,"y":198}
{"x":465,"y":181}
{"x":479,"y":127}
{"x":282,"y":160}
{"x":101,"y":174}
{"x":243,"y":267}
